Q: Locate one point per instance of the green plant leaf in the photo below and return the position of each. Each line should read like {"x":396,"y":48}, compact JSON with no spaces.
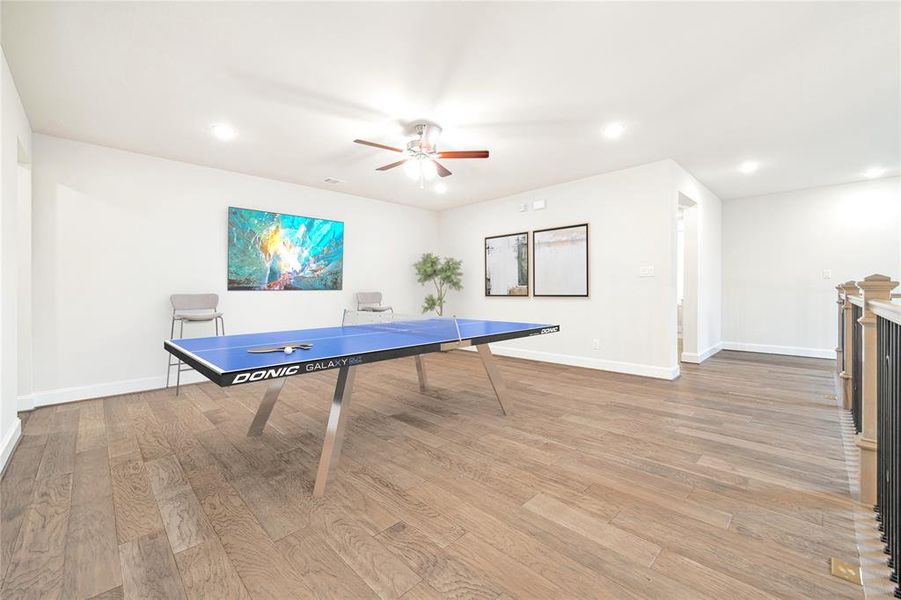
{"x":444,"y":274}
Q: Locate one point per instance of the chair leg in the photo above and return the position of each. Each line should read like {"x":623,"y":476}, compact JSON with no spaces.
{"x":181,"y":334}
{"x":169,"y":359}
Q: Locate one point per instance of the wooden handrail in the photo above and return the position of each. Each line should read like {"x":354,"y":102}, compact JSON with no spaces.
{"x":870,"y":322}
{"x":886,"y":309}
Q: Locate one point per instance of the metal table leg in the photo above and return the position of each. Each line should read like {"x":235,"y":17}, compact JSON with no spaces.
{"x":266,"y":406}
{"x":420,"y":372}
{"x":494,"y":375}
{"x":334,"y":432}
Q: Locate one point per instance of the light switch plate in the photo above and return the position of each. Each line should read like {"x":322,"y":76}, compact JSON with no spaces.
{"x":539,"y":204}
{"x":646,"y":271}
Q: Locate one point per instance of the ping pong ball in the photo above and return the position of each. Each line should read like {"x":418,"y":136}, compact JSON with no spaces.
{"x":288,"y":349}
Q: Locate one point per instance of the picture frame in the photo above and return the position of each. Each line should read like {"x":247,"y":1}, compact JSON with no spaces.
{"x":269,"y":251}
{"x":560,"y":262}
{"x":507,"y":265}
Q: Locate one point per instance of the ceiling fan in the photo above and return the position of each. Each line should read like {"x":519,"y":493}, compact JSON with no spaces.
{"x":421,"y":154}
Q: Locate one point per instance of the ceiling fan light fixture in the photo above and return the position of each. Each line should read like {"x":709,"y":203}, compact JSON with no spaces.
{"x":411,"y":168}
{"x":420,"y":168}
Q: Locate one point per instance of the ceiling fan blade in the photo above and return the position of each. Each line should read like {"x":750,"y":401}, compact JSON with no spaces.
{"x":374,"y":145}
{"x":442,"y":171}
{"x":464,"y":154}
{"x":392,"y":165}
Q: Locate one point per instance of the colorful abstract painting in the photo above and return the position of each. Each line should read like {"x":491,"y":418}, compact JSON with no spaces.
{"x":272,"y":251}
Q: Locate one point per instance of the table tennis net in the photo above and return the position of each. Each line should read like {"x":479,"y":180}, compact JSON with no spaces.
{"x":429,"y":327}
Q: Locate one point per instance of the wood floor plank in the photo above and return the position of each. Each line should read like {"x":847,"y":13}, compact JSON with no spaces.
{"x":570,"y":576}
{"x":207,"y":572}
{"x":59,"y":453}
{"x":37,"y":563}
{"x":116,"y":593}
{"x":137,"y":513}
{"x":409,"y":508}
{"x":324,"y":571}
{"x":262,"y":568}
{"x":16,"y":492}
{"x":182,"y":516}
{"x":443,"y":573}
{"x":629,"y":545}
{"x":91,"y":426}
{"x":92,"y":548}
{"x":707,"y":581}
{"x":280,"y":502}
{"x":148,"y":431}
{"x":149,"y":570}
{"x":375,"y":564}
{"x":517,"y":579}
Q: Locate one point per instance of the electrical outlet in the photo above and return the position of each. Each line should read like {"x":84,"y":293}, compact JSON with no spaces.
{"x":596,"y":344}
{"x":827,"y":273}
{"x":646,"y":271}
{"x":523,"y":207}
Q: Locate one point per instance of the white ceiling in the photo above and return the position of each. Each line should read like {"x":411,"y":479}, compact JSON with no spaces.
{"x":810,"y":90}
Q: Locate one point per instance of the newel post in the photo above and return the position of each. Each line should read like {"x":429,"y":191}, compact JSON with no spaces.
{"x":848,"y":288}
{"x":838,"y":340}
{"x":874,"y":287}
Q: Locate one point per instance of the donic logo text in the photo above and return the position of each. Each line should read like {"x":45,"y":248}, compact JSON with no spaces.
{"x":295,"y":369}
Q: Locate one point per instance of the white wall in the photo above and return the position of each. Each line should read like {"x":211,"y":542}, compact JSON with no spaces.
{"x":15,"y":143}
{"x":23,"y":307}
{"x":776,"y":247}
{"x":115,"y":233}
{"x":632,"y":222}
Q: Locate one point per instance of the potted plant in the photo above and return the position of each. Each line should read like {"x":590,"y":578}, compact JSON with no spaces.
{"x":446,"y":274}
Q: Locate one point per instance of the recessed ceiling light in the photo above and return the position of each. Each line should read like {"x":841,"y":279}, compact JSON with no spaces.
{"x":613,"y":131}
{"x":440,"y":188}
{"x":874,"y":172}
{"x":749,"y":166}
{"x":223,"y":131}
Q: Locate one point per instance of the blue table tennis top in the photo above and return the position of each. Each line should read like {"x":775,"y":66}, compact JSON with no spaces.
{"x":229,"y":353}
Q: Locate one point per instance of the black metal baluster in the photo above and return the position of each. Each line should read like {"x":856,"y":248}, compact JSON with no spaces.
{"x":856,"y":364}
{"x":881,"y":435}
{"x":893,"y":394}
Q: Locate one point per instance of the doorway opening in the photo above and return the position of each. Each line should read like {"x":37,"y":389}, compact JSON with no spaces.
{"x":687,"y":279}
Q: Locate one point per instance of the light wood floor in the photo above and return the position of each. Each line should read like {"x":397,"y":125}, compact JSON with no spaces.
{"x":727,"y":483}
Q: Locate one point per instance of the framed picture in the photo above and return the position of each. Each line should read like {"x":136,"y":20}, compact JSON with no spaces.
{"x":274,"y":251}
{"x":507,"y":265}
{"x":560,"y":261}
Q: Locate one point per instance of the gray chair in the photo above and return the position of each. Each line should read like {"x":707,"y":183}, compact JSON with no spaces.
{"x":192,"y":308}
{"x":372,"y":302}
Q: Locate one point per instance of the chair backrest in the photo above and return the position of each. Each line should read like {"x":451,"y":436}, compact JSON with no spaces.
{"x":365,"y":298}
{"x":194,"y":301}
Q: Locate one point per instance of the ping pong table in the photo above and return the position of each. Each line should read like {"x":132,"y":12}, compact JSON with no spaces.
{"x":239,"y":359}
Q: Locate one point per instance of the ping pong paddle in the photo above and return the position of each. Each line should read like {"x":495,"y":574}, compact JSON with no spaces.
{"x":297,"y":346}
